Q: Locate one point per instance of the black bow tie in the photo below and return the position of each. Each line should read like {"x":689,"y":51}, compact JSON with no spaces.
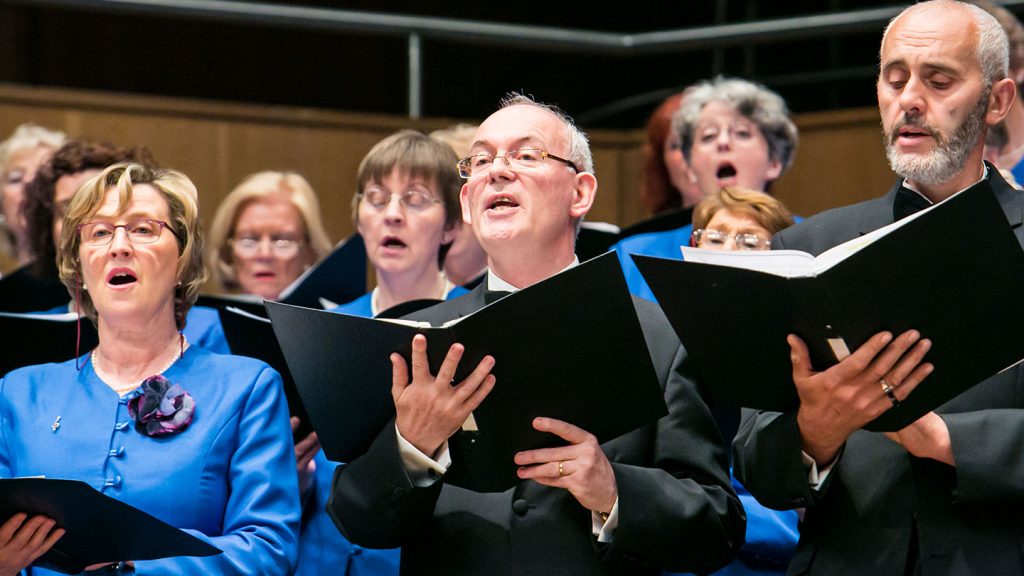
{"x":494,"y":295}
{"x":908,"y":202}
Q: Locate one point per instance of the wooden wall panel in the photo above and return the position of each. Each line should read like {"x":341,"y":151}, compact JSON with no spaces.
{"x":840,"y":158}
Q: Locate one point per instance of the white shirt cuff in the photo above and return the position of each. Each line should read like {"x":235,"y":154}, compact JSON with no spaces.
{"x":422,"y":469}
{"x":816,"y":476}
{"x":604,"y":529}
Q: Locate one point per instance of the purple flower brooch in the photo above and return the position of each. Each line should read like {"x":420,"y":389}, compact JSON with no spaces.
{"x":161,"y":408}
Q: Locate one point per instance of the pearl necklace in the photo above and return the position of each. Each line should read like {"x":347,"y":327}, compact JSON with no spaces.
{"x":122,"y":390}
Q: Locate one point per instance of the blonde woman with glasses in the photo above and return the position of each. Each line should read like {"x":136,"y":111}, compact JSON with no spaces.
{"x":197,"y":439}
{"x":265,"y":233}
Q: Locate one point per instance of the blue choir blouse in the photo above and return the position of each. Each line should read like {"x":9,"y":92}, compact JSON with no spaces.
{"x":229,"y":478}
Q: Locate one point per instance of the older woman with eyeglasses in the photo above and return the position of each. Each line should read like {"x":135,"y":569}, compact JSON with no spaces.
{"x":406,"y":208}
{"x":736,"y":218}
{"x":199,"y":440}
{"x":732,"y":132}
{"x":265,"y":233}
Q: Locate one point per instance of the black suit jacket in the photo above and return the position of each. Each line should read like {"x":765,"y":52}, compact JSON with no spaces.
{"x":677,"y":509}
{"x":880,"y":504}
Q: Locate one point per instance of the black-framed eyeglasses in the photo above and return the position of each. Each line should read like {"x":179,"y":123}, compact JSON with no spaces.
{"x":412,"y":198}
{"x":138,"y":232}
{"x":711,"y":238}
{"x":520,"y":158}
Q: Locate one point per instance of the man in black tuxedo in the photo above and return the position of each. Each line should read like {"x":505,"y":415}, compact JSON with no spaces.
{"x":656,"y":498}
{"x":944,"y":495}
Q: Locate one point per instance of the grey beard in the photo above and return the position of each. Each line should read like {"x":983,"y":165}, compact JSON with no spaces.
{"x":949,"y":156}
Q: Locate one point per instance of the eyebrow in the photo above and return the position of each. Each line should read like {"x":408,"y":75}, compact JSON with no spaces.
{"x":517,"y":143}
{"x":130,"y":217}
{"x":928,"y":67}
{"x":743,"y":121}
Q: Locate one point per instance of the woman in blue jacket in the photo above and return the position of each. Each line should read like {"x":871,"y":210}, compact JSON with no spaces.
{"x":199,"y":440}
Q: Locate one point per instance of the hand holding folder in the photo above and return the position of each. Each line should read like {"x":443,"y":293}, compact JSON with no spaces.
{"x":23,"y":539}
{"x":99,"y":529}
{"x":429,"y":408}
{"x":963,"y":294}
{"x":569,"y":348}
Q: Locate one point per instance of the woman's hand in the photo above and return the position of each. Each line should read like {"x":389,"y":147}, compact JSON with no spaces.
{"x":305,"y":450}
{"x":24,"y":539}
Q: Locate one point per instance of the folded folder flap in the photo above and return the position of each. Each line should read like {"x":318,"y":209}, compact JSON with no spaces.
{"x":569,"y":347}
{"x":964,"y":295}
{"x":98,"y":528}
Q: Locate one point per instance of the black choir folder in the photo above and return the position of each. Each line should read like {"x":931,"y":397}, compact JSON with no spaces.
{"x":336,"y":279}
{"x":42,"y":338}
{"x":569,"y":347}
{"x":98,"y":528}
{"x":954,"y":272}
{"x":250,"y":334}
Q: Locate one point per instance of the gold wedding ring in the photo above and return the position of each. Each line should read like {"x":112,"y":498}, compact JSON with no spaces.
{"x":561,"y":471}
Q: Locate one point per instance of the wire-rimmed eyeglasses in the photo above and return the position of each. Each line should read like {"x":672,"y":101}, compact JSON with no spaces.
{"x":711,"y":238}
{"x":412,"y":198}
{"x":520,"y":158}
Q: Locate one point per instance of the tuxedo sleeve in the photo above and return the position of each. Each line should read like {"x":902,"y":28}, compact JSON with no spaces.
{"x":986,"y":449}
{"x":767,"y":459}
{"x":373,"y":501}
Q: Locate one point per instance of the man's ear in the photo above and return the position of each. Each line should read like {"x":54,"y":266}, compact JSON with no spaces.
{"x":584,"y":194}
{"x":467,"y":217}
{"x":1000,"y":100}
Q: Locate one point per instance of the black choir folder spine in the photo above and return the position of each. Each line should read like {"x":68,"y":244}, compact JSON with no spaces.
{"x":955,"y":272}
{"x":569,"y":347}
{"x":98,"y":528}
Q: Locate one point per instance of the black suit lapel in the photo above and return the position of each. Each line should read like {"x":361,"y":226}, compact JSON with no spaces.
{"x":1011,"y":199}
{"x":475,"y":300}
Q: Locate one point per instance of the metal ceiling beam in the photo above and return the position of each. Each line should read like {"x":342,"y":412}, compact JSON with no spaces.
{"x":479,"y":32}
{"x":415,"y":28}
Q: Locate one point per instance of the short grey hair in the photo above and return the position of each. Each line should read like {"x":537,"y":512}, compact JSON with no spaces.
{"x":579,"y":145}
{"x":993,"y":47}
{"x":759,"y":104}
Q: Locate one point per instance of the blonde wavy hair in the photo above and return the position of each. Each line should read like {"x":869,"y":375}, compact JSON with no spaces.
{"x":182,"y":199}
